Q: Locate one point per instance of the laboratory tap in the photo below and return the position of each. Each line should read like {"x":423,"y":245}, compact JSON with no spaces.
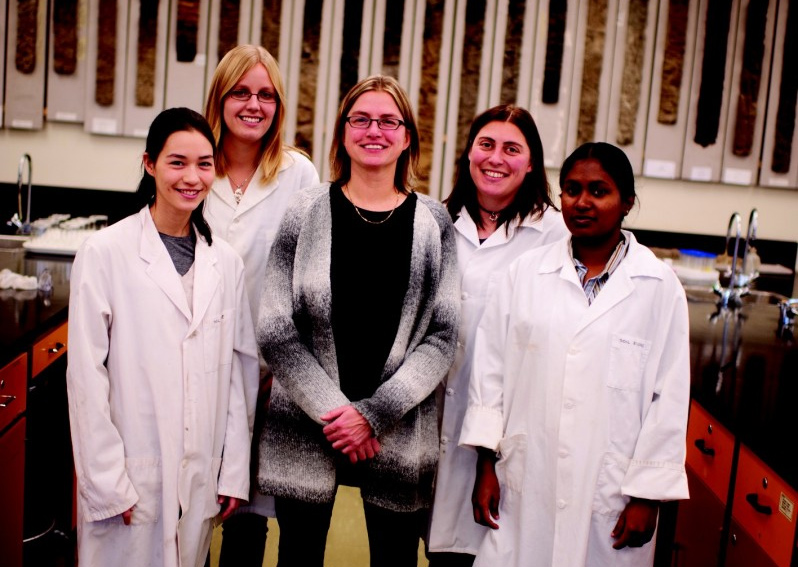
{"x":728,"y":296}
{"x":749,"y":265}
{"x":23,"y":227}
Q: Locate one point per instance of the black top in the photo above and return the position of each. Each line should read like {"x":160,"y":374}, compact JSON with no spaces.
{"x":369,"y":275}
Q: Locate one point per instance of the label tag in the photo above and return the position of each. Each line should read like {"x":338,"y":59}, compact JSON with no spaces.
{"x":786,"y":506}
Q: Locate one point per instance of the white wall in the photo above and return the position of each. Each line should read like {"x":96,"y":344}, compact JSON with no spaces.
{"x":65,"y":156}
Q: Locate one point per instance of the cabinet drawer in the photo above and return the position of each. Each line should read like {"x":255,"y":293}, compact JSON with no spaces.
{"x":48,"y":349}
{"x":764,"y":506}
{"x":710,"y":448}
{"x":13,"y":389}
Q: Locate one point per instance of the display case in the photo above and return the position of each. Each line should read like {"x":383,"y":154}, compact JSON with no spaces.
{"x":710,"y":90}
{"x":25,"y":64}
{"x":66,"y":69}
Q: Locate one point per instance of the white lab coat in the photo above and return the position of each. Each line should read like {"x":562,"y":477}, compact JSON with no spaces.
{"x":161,"y":395}
{"x":453,"y":528}
{"x":587,"y":405}
{"x":250,"y":226}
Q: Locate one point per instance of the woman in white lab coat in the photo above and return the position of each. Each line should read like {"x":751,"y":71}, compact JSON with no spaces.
{"x":501,"y":208}
{"x":257,"y":174}
{"x":162,"y":370}
{"x":580,"y":387}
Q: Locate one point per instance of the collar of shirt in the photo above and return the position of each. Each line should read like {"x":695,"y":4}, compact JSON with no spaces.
{"x":593,"y":286}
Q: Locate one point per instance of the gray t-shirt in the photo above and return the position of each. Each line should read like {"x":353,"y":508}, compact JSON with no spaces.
{"x":181,"y":249}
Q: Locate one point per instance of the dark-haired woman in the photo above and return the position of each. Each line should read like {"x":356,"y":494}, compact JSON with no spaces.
{"x":501,"y":208}
{"x":163,"y":369}
{"x":580,"y":386}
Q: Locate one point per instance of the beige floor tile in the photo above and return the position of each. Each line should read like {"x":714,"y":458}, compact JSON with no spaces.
{"x":347,"y":543}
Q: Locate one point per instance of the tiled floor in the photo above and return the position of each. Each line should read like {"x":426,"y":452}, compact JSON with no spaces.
{"x":347,"y":544}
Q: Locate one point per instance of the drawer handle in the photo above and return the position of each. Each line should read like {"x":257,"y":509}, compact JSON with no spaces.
{"x":56,"y":348}
{"x":701,"y":444}
{"x":5,"y":401}
{"x":753,"y":500}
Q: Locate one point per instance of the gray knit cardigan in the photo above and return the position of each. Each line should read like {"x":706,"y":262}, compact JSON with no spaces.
{"x":295,"y":336}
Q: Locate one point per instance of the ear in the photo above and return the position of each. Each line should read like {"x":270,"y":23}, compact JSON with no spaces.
{"x":149,"y":165}
{"x":407,"y":140}
{"x":628,"y":203}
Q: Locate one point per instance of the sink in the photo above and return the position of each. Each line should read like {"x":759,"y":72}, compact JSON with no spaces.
{"x":698,"y":294}
{"x":12,"y":242}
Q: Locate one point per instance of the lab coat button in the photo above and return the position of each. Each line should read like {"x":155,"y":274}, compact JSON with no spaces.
{"x":444,"y":440}
{"x":573,"y":351}
{"x":464,"y":296}
{"x":568,"y":404}
{"x":185,"y":463}
{"x":560,"y":503}
{"x":450,"y":391}
{"x":563,"y":453}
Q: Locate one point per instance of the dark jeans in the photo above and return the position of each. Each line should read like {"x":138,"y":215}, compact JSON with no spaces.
{"x":445,"y":559}
{"x":393,"y":536}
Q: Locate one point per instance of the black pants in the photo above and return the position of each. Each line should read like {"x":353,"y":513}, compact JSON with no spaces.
{"x":446,"y":559}
{"x":393,"y":536}
{"x":243,"y":541}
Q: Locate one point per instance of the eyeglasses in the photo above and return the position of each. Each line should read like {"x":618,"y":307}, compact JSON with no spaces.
{"x":363,"y":122}
{"x":264,"y":97}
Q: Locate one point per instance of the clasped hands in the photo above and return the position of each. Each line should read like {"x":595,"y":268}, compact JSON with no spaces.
{"x":349,"y":432}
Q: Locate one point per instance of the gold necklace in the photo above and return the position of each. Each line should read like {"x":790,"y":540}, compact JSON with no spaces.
{"x":357,"y":210}
{"x":238,"y":192}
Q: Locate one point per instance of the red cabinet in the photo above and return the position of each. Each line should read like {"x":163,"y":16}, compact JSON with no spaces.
{"x":764,"y":507}
{"x":13,"y":389}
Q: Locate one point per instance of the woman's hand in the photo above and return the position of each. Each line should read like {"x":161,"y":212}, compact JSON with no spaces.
{"x":229,"y":505}
{"x":350,"y":433}
{"x":486,"y":495}
{"x":635,"y":527}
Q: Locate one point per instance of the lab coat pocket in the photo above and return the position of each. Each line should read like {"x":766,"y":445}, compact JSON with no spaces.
{"x":511,"y":466}
{"x":607,"y":498}
{"x":218,"y":338}
{"x":147,"y":479}
{"x":628,"y":357}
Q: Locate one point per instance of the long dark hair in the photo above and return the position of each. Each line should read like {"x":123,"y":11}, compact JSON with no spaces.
{"x":165,"y":124}
{"x":534,"y":194}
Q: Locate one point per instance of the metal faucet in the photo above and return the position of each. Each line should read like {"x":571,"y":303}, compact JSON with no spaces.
{"x":749,"y":274}
{"x":728,"y":295}
{"x":16,"y":220}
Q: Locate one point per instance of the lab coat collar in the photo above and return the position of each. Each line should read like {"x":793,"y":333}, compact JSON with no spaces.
{"x":254,"y":194}
{"x":466,"y":226}
{"x":639,"y":262}
{"x":162,"y":271}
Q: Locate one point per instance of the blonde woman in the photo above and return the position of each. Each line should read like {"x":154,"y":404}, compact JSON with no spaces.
{"x":358,"y":319}
{"x":256,"y":176}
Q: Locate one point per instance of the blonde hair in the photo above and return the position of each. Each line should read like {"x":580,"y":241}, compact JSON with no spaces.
{"x":234,"y":65}
{"x":406,"y":174}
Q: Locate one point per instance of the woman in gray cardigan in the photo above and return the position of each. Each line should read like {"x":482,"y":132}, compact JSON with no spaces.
{"x":358,"y":320}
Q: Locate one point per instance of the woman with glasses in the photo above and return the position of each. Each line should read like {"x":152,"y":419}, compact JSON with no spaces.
{"x":256,"y":176}
{"x":358,"y":320}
